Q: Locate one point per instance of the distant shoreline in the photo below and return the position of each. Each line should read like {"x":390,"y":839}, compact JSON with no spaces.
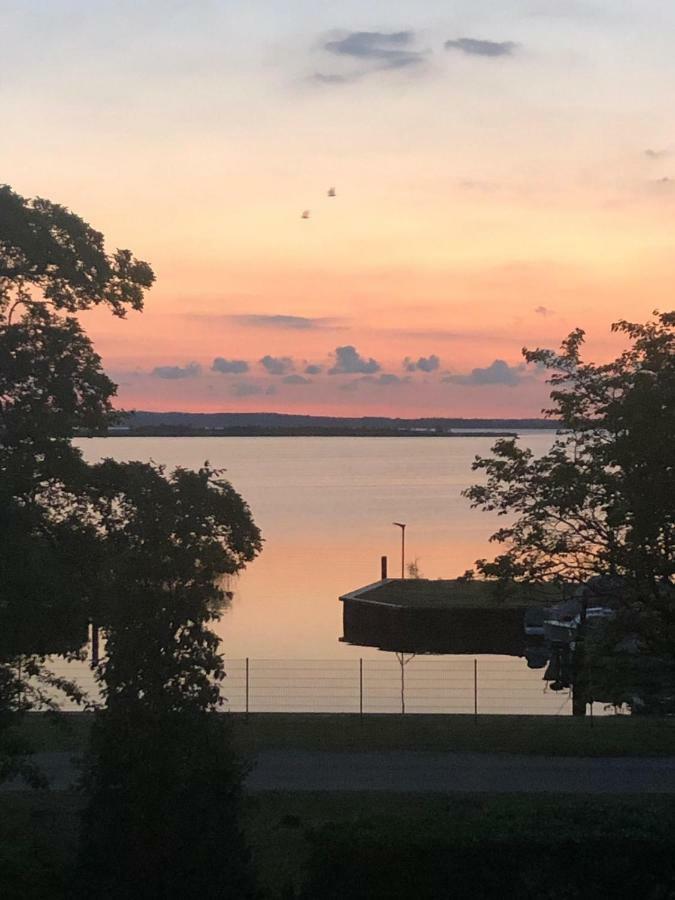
{"x":263,"y":424}
{"x":297,"y":432}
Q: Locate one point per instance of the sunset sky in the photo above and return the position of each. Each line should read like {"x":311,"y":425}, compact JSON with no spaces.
{"x":504,"y":172}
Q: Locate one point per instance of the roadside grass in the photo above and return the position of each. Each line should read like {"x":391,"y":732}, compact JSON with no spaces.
{"x":281,"y":825}
{"x":39,"y":830}
{"x":545,"y":735}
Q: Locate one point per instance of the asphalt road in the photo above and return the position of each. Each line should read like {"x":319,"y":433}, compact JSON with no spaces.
{"x":421,"y":771}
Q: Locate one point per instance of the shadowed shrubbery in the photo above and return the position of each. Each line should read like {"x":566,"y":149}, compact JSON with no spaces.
{"x":386,"y":863}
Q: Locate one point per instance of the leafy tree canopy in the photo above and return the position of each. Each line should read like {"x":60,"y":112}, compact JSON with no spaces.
{"x":49,"y":253}
{"x":602,"y":499}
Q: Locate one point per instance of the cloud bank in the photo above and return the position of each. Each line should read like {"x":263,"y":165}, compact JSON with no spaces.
{"x":174,"y":373}
{"x":498,"y":372}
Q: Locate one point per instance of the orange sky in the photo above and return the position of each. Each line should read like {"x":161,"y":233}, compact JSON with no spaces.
{"x":492,"y":194}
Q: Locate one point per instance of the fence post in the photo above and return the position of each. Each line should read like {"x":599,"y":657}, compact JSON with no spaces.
{"x":590,"y":692}
{"x":94,"y":646}
{"x":361,"y":690}
{"x":475,"y":690}
{"x":247,"y":682}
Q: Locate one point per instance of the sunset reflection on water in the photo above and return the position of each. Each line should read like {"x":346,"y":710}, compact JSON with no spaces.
{"x":326,"y":507}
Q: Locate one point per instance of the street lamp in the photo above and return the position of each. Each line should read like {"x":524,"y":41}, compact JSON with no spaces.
{"x":401,"y":525}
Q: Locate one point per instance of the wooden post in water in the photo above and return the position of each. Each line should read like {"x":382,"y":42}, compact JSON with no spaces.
{"x":402,"y":686}
{"x":247,"y":683}
{"x":475,"y":691}
{"x":383,"y":568}
{"x":94,"y":646}
{"x":361,"y":686}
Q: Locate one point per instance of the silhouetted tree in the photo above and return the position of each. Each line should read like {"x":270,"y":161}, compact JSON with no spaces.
{"x":163,"y":818}
{"x":140,"y":550}
{"x":51,"y":383}
{"x":602,"y":499}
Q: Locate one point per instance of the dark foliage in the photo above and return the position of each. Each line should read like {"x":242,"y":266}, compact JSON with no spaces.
{"x":599,"y":507}
{"x":602,"y":500}
{"x":163,"y":820}
{"x":164,"y":785}
{"x":49,"y":253}
{"x":384,"y":864}
{"x":136,"y":550}
{"x":51,"y":384}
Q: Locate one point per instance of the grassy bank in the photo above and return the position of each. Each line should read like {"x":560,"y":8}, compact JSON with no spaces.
{"x":549,"y":735}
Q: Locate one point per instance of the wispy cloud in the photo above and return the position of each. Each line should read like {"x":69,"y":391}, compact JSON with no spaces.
{"x":313,"y":369}
{"x":251,"y":389}
{"x":543,"y":311}
{"x":295,"y":323}
{"x":385,"y":379}
{"x":175,"y":373}
{"x":656,"y":154}
{"x":478,"y":47}
{"x":295,"y":379}
{"x":229,"y":366}
{"x":348,"y":361}
{"x":371,"y":51}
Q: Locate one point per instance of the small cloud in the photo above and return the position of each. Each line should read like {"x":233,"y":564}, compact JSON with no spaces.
{"x":476,"y":184}
{"x":229,"y":366}
{"x":277,"y":365}
{"x":476,"y":47}
{"x":372,"y":51}
{"x":388,"y":50}
{"x":300,"y":323}
{"x":295,"y":379}
{"x":313,"y":369}
{"x":423,"y":364}
{"x":174,"y":373}
{"x":543,"y":311}
{"x":657,"y":154}
{"x":246,"y":389}
{"x":498,"y":372}
{"x":327,"y":78}
{"x":349,"y":362}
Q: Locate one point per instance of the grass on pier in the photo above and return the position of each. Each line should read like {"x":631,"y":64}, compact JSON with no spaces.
{"x":444,"y":593}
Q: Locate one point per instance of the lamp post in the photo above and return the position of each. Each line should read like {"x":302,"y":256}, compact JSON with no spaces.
{"x":401,"y":525}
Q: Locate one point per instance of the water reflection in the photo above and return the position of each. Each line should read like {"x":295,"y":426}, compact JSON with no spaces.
{"x":325,"y":507}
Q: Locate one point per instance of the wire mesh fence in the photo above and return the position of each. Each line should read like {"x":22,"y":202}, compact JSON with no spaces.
{"x":402,"y":684}
{"x":392,"y":684}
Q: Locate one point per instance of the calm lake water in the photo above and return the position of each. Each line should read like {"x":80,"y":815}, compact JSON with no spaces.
{"x":326,"y":507}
